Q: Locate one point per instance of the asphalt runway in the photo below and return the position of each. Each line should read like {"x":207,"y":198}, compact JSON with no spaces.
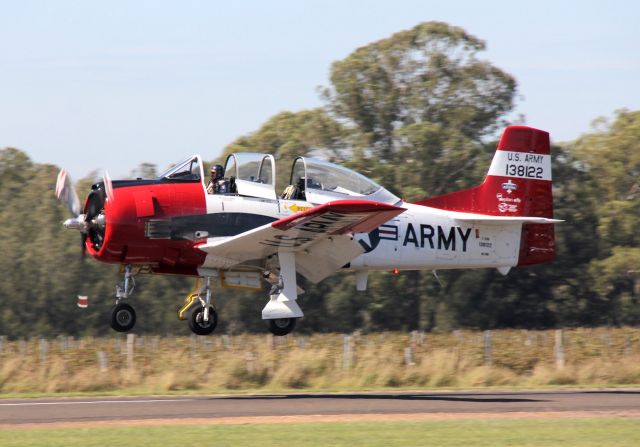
{"x":66,"y":410}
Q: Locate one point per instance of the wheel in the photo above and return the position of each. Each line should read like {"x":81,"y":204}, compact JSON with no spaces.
{"x":123,"y":317}
{"x":198,"y":325}
{"x":281,"y":326}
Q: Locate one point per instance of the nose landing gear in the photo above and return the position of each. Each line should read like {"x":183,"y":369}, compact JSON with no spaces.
{"x":123,"y":317}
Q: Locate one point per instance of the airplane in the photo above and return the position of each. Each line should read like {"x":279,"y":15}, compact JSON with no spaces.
{"x":328,"y":219}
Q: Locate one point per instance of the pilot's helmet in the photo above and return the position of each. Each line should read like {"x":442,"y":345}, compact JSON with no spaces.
{"x":217,"y":172}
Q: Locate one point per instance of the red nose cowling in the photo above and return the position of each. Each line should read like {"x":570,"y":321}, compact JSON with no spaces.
{"x":126,"y":239}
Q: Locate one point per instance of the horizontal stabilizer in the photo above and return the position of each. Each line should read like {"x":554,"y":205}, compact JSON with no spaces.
{"x":499,"y":220}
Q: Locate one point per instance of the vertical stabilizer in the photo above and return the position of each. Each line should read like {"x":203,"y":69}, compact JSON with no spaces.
{"x":518,"y":184}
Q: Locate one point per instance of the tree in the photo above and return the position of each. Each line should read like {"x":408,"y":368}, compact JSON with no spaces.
{"x":419,"y":106}
{"x":611,"y":156}
{"x":420,"y":95}
{"x":288,"y":135}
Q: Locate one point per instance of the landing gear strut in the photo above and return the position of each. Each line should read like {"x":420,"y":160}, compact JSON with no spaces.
{"x":123,"y":316}
{"x":282,"y":311}
{"x":203,"y":317}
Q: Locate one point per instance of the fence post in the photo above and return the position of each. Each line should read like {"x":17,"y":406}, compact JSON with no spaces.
{"x":271,"y":342}
{"x":193,"y":344}
{"x":249,"y":357}
{"x":346,"y":352}
{"x":102,"y":361}
{"x":44,"y":349}
{"x":488,"y":348}
{"x":558,"y":349}
{"x":131,"y":338}
{"x":408,"y":356}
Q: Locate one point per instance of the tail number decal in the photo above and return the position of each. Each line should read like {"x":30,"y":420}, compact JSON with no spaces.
{"x":523,"y":171}
{"x":521,"y":165}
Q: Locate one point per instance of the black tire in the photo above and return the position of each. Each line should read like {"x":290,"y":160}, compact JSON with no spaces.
{"x":123,"y":317}
{"x":281,"y":326}
{"x":196,"y":323}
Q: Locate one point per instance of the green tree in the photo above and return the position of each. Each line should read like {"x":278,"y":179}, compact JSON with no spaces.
{"x":419,"y":106}
{"x":611,"y":156}
{"x":288,"y":135}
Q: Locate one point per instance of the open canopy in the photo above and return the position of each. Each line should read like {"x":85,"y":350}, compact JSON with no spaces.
{"x":312,"y":180}
{"x":189,"y":170}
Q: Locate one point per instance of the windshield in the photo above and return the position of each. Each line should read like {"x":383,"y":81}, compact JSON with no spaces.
{"x":187,"y":170}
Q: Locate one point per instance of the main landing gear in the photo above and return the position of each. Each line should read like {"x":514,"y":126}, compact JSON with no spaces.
{"x":280,"y":313}
{"x":123,"y":316}
{"x":281,"y":326}
{"x":282,"y":310}
{"x":200,"y":313}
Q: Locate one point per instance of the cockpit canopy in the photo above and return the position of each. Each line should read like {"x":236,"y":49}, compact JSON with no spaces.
{"x":315,"y":181}
{"x":254,"y":174}
{"x":189,"y":170}
{"x":319,"y":181}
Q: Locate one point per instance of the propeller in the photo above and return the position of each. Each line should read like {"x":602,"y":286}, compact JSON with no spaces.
{"x":66,"y":192}
{"x":108,"y":186}
{"x":92,"y":223}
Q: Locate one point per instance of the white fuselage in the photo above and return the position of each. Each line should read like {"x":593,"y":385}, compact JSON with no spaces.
{"x":420,"y":238}
{"x":429,"y":238}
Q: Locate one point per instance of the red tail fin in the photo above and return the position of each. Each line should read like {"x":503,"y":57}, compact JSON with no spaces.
{"x":518,"y":184}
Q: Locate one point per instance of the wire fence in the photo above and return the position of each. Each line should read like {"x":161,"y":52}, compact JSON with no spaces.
{"x":322,"y":361}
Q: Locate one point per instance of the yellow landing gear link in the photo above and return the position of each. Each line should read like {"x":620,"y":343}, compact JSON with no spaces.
{"x":193,"y":296}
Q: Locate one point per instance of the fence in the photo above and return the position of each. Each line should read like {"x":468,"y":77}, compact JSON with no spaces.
{"x":323,"y":361}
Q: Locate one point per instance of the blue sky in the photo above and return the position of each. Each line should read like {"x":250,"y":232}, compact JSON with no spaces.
{"x":109,"y":85}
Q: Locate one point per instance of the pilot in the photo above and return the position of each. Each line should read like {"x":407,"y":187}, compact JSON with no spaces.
{"x":217,"y":184}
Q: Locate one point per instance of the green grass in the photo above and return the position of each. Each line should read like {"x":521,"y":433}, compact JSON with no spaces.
{"x":596,"y":432}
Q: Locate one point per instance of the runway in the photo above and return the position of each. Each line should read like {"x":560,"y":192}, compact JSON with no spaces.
{"x":14,"y":412}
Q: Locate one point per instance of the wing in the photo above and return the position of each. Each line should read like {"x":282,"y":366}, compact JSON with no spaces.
{"x":320,"y":237}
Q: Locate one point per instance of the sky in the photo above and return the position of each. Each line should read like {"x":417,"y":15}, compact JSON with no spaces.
{"x":108,"y":85}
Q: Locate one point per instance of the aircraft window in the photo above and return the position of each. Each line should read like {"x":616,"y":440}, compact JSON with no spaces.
{"x":249,"y":170}
{"x":337,"y":179}
{"x":265,"y":171}
{"x":230,"y":167}
{"x":296,"y":188}
{"x":188,"y":170}
{"x":253,"y":167}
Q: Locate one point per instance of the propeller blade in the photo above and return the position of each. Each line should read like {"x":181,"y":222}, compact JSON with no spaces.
{"x":83,"y":236}
{"x":108,"y":186}
{"x":66,"y":192}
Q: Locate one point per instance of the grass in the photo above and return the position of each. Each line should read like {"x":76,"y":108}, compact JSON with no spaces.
{"x":259,"y":363}
{"x":596,"y":432}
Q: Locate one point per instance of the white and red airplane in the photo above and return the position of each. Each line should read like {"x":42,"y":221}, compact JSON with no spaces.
{"x":328,"y":219}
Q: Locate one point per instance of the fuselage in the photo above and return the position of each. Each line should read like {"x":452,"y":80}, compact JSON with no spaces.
{"x":161,"y":225}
